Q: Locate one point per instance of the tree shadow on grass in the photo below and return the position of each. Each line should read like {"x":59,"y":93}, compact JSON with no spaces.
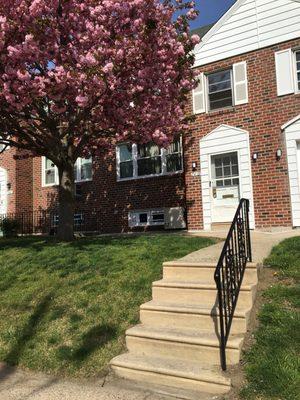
{"x":92,"y":340}
{"x":29,"y":330}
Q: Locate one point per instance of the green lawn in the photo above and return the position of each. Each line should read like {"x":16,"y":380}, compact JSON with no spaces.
{"x":273,"y":363}
{"x":64,"y":308}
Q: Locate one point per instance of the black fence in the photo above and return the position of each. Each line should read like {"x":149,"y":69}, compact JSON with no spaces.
{"x":46,"y":222}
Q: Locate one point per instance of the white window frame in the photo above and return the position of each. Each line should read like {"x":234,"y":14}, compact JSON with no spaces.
{"x":78,"y":172}
{"x":56,"y":178}
{"x":297,"y":90}
{"x":209,"y":110}
{"x":78,"y":165}
{"x":134,"y":216}
{"x":135,"y":176}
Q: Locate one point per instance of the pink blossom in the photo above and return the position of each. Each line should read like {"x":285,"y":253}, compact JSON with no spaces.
{"x":97,"y":72}
{"x":108,"y":68}
{"x":82,"y":101}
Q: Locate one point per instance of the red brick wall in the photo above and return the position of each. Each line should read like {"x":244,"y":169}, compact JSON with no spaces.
{"x":113,"y":200}
{"x":262,"y":117}
{"x":19,"y":177}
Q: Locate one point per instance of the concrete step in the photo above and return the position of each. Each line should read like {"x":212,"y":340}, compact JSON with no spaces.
{"x":201,"y":346}
{"x":191,"y":293}
{"x":195,"y":317}
{"x":220,"y":226}
{"x":183,"y":375}
{"x":192,"y":271}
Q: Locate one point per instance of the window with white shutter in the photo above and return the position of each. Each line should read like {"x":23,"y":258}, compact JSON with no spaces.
{"x":199,"y":96}
{"x":284,"y":72}
{"x":240,"y":81}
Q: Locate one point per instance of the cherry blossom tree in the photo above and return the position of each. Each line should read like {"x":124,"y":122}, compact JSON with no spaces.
{"x":76,"y":76}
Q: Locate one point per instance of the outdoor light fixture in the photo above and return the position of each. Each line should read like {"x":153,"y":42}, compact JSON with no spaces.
{"x":254,"y":156}
{"x":278,"y":154}
{"x":8,"y":186}
{"x":194,"y":166}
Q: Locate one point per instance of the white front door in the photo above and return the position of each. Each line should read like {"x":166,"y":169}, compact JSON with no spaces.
{"x":3,"y":192}
{"x":225,"y":186}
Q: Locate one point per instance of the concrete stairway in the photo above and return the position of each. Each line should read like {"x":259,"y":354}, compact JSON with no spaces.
{"x":177,"y":343}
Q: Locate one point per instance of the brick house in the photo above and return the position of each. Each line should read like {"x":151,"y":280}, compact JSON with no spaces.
{"x":244,"y":142}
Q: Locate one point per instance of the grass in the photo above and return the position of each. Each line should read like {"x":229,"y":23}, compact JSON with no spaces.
{"x":273,"y":363}
{"x":64,"y":308}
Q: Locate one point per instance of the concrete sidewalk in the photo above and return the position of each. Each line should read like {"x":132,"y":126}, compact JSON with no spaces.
{"x":262,"y":244}
{"x":16,"y":384}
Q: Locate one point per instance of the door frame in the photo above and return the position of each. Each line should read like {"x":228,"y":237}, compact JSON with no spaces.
{"x":225,"y":139}
{"x":292,"y":137}
{"x":2,"y":170}
{"x":211,"y":179}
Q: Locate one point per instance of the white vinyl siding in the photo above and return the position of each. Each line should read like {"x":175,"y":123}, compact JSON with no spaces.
{"x":292,"y":136}
{"x":249,"y":25}
{"x":225,"y":139}
{"x":82,"y":171}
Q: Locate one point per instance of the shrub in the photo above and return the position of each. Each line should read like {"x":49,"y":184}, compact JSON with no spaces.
{"x":9,"y":227}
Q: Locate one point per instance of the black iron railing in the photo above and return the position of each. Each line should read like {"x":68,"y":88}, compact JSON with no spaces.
{"x":230,"y":271}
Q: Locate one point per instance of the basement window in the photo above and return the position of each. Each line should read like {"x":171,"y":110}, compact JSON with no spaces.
{"x":146,"y":218}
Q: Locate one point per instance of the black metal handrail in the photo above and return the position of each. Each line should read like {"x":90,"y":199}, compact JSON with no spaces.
{"x":230,"y":271}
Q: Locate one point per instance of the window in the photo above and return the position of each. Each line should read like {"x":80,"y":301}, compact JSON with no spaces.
{"x":149,"y":159}
{"x":225,"y":169}
{"x":50,"y":173}
{"x":297,"y":58}
{"x":220,"y":90}
{"x":126,"y":161}
{"x":78,"y":220}
{"x":174,"y":157}
{"x":138,"y":161}
{"x":146,"y":218}
{"x":82,"y":171}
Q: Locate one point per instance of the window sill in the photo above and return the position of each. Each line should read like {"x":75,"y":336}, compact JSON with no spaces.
{"x":51,"y":185}
{"x":149,"y":176}
{"x":227,"y":110}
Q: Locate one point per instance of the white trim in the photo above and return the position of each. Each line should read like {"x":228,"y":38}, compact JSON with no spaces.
{"x":135,"y":164}
{"x":56,"y":180}
{"x":251,"y":43}
{"x":292,"y":121}
{"x":56,"y":183}
{"x":223,"y":140}
{"x":220,"y":22}
{"x":4,"y":172}
{"x":296,"y":83}
{"x":292,"y":138}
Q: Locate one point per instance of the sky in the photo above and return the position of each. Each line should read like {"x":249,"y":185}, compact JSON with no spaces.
{"x":210,"y":11}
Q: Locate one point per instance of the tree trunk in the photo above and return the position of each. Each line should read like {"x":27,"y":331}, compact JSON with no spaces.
{"x":66,"y":202}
